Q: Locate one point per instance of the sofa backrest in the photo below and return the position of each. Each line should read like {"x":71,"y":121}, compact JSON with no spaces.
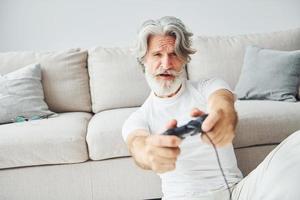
{"x":64,"y":76}
{"x":116,"y":79}
{"x":222,"y":56}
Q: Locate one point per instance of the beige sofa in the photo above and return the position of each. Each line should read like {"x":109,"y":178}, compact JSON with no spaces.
{"x":80,"y":154}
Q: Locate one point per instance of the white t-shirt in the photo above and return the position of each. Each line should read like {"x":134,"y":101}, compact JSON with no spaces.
{"x":197,"y":171}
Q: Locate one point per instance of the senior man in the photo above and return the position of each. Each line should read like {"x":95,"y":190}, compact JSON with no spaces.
{"x":188,"y":168}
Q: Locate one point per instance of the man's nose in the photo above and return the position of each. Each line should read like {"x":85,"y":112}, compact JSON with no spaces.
{"x":166,"y":62}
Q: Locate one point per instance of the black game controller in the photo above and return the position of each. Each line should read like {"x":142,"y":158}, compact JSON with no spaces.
{"x":193,"y":127}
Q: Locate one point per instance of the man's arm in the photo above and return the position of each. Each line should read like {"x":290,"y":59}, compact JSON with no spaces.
{"x":154,"y":152}
{"x":136,"y":146}
{"x":222,"y":119}
{"x":220,"y":125}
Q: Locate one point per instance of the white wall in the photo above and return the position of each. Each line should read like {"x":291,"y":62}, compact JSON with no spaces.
{"x":61,"y":24}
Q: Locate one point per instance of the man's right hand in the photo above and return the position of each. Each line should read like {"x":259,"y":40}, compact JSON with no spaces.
{"x":156,"y":152}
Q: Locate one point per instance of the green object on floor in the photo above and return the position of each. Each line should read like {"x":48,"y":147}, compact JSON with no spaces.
{"x":23,"y":119}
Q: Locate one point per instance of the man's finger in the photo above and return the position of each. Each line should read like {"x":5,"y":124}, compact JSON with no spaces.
{"x":219,"y":139}
{"x":167,"y":152}
{"x":158,"y":159}
{"x":205,"y":139}
{"x":162,"y":168}
{"x":226,"y":140}
{"x":164,"y":140}
{"x":210,"y":121}
{"x":208,"y":139}
{"x":171,"y":124}
{"x":196,"y":112}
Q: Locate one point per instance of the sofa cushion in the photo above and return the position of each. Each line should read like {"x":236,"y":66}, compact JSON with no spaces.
{"x":260,"y":123}
{"x":259,"y":69}
{"x":104,"y":135}
{"x":249,"y":158}
{"x":55,"y":140}
{"x":222,"y":56}
{"x":265,"y":122}
{"x":116,"y":79}
{"x":21,"y":94}
{"x":64,"y":76}
{"x":113,"y":179}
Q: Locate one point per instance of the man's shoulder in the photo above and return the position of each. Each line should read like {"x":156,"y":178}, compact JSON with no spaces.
{"x":192,"y":83}
{"x":195,"y":83}
{"x":203,"y":82}
{"x":146,"y":104}
{"x":148,"y":100}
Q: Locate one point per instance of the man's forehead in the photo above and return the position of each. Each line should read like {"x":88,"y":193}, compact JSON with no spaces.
{"x":159,"y":42}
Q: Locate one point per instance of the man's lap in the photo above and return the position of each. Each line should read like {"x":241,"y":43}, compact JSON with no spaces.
{"x":276,"y":177}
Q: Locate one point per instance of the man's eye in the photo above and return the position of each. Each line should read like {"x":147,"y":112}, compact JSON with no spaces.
{"x":156,"y":54}
{"x":173,"y":54}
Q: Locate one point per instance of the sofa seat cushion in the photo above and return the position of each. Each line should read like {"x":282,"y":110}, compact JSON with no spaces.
{"x":265,"y":122}
{"x":104,"y":135}
{"x":59,"y":139}
{"x":260,"y":123}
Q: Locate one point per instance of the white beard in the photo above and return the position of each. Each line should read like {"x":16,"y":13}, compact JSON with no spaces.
{"x":163,"y":88}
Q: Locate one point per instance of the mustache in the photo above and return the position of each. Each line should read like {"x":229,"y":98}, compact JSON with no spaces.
{"x":168,"y":72}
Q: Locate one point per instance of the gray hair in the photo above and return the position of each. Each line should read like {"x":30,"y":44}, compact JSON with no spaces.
{"x":168,"y":26}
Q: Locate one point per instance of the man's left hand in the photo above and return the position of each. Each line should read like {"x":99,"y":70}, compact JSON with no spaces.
{"x":220,"y":124}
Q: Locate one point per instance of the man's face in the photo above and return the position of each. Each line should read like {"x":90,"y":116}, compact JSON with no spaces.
{"x":164,"y":69}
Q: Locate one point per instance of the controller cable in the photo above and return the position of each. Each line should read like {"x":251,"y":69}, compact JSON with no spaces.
{"x":220,"y":166}
{"x":194,"y":127}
